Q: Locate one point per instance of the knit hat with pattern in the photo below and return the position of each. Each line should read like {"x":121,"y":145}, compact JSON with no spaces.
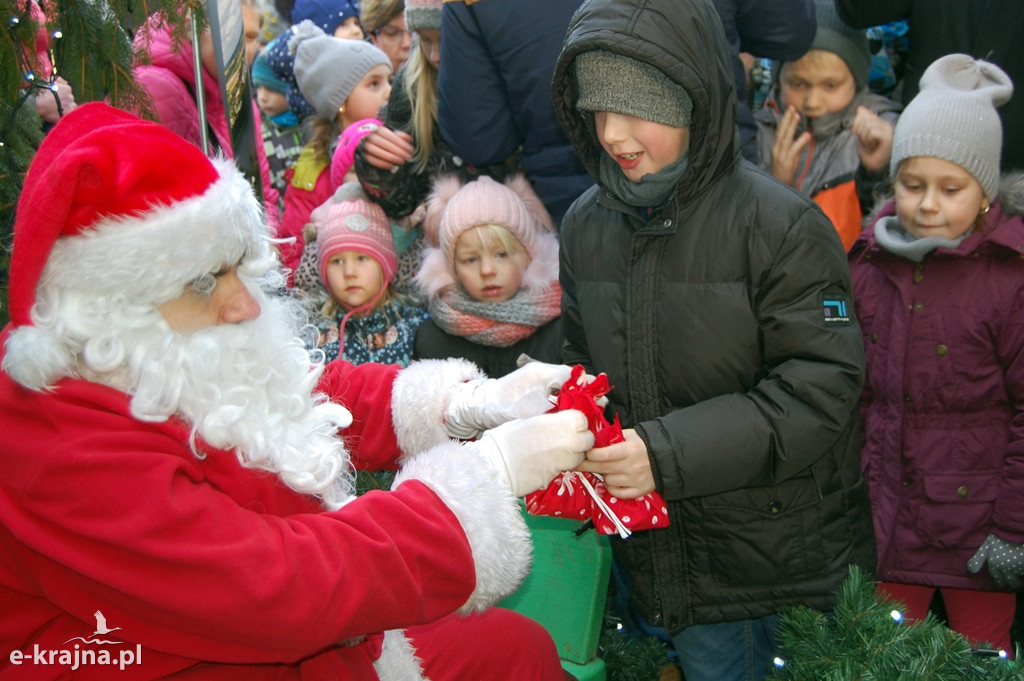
{"x":423,"y":14}
{"x":851,"y":45}
{"x":953,"y":117}
{"x":282,"y":62}
{"x":327,"y":69}
{"x":327,"y":14}
{"x":608,"y":81}
{"x":356,"y":225}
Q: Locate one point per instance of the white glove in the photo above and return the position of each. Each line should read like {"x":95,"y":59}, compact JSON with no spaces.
{"x":485,"y":403}
{"x":529,"y":453}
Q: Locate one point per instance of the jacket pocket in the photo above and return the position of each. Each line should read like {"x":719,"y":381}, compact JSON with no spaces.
{"x":766,"y":535}
{"x":955,"y":506}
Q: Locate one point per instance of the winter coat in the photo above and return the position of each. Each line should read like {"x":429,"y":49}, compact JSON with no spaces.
{"x":169,"y":79}
{"x":712,"y":319}
{"x":385,"y":335}
{"x":831,"y":161}
{"x":503,"y":55}
{"x":309,"y":187}
{"x":190,"y":557}
{"x":943,"y":402}
{"x":544,"y":345}
{"x":986,"y":29}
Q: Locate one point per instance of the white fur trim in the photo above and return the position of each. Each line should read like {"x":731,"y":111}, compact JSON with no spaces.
{"x":1011,"y":193}
{"x":398,"y":661}
{"x":159,"y":252}
{"x":420,"y":397}
{"x":488,"y":512}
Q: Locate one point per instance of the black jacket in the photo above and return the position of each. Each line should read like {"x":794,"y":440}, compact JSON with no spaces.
{"x":718,"y":320}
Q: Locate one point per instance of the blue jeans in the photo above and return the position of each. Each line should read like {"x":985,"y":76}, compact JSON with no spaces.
{"x":729,"y":651}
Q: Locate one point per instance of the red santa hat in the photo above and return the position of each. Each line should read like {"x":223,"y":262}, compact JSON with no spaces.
{"x":117,"y":206}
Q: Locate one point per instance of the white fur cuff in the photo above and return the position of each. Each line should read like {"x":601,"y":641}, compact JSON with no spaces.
{"x":489,"y":514}
{"x":420,"y":397}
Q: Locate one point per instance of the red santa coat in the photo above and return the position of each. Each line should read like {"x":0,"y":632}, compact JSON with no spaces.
{"x":202,"y":559}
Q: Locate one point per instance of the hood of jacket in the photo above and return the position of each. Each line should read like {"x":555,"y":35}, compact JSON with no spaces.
{"x":679,"y":39}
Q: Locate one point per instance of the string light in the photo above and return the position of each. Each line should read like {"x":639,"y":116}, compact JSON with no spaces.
{"x":779,"y":663}
{"x":896,"y":616}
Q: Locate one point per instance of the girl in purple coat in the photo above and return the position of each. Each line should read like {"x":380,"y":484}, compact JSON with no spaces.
{"x":939,"y":289}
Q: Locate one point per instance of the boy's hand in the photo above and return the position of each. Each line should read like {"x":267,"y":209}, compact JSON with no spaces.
{"x":387,"y":149}
{"x":874,"y":139}
{"x":786,"y":150}
{"x":624,"y":465}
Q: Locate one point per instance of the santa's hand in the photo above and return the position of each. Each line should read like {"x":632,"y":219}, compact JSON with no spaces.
{"x":529,"y":453}
{"x":485,"y":403}
{"x":1005,"y":561}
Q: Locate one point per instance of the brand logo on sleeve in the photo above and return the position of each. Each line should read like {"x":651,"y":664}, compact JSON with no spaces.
{"x":835,"y":309}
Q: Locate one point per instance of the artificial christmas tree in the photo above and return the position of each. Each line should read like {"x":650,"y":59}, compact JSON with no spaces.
{"x":866,"y":638}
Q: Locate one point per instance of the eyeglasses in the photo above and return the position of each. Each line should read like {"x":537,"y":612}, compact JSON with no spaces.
{"x":391,"y":34}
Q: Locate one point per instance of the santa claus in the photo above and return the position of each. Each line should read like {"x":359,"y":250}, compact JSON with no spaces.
{"x":172,"y":458}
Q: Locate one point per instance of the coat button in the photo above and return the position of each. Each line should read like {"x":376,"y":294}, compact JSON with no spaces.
{"x":874,"y":338}
{"x":918,"y":306}
{"x":918,"y":276}
{"x":907,"y":398}
{"x":667,"y":223}
{"x":941,"y":350}
{"x":774,"y":507}
{"x":906,"y":483}
{"x":963,"y":492}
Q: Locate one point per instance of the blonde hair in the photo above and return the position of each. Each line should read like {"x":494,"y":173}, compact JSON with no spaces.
{"x":421,"y":88}
{"x":502,"y":234}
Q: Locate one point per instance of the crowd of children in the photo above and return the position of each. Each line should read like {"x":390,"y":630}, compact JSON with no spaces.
{"x":926,"y":477}
{"x":818,"y":362}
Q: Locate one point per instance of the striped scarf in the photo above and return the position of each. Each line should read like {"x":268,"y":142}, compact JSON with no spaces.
{"x":495,"y":324}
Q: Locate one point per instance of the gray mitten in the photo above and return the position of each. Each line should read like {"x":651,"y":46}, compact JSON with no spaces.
{"x":1005,"y":562}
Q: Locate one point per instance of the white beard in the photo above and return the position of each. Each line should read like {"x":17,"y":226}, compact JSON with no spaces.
{"x":246,"y":387}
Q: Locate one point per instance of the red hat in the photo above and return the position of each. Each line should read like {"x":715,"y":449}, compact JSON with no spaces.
{"x":123,"y":208}
{"x":100,"y":175}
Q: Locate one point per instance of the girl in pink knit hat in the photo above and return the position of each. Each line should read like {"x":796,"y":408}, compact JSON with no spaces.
{"x":490,"y":276}
{"x":365,"y":319}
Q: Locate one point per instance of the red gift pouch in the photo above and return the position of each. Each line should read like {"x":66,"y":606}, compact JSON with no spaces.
{"x":583,"y":496}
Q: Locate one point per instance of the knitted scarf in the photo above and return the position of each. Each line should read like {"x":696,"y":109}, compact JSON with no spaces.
{"x":495,"y":324}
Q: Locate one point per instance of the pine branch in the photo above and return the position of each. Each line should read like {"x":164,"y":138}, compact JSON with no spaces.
{"x":863,"y":641}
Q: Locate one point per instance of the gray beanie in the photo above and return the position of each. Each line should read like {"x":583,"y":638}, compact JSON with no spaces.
{"x":423,"y":14}
{"x":612,"y":82}
{"x":953,"y":117}
{"x":833,"y":35}
{"x":327,"y":69}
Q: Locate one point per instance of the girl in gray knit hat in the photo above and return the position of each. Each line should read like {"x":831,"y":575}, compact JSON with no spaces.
{"x":938,"y":286}
{"x":345,"y":81}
